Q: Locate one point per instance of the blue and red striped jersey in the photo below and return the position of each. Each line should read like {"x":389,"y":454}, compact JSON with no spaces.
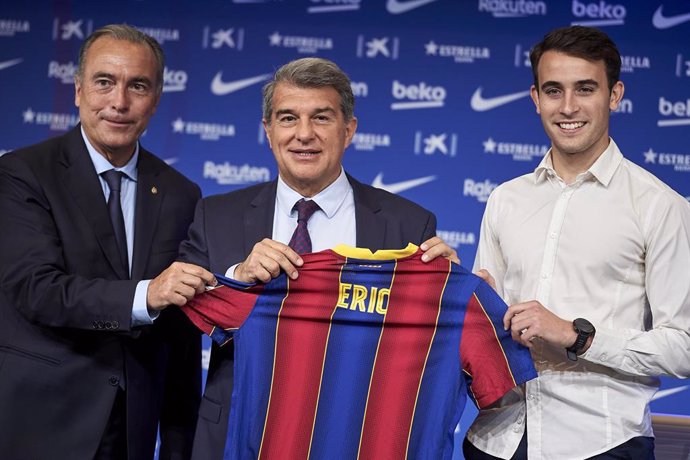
{"x":363,"y":356}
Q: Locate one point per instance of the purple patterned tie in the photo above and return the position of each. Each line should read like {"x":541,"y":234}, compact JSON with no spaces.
{"x":300,"y":240}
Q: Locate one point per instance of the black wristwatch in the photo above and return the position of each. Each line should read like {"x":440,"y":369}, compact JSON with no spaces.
{"x":584,"y":331}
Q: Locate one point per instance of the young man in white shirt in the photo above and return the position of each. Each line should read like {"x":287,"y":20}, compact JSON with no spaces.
{"x":591,"y":252}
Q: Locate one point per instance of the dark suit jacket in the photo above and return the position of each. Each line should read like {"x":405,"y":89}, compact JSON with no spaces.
{"x":224,"y":231}
{"x":66,"y":341}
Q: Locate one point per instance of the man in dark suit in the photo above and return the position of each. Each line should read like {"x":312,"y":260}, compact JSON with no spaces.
{"x":309,"y":120}
{"x":90,"y":359}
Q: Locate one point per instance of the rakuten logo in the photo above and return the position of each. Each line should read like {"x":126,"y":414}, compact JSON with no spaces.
{"x":419,"y":96}
{"x":62,"y":72}
{"x":479,"y":190}
{"x":677,"y":109}
{"x":599,"y":14}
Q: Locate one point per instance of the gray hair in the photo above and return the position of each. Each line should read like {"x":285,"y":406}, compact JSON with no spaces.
{"x":129,"y":33}
{"x":311,"y":72}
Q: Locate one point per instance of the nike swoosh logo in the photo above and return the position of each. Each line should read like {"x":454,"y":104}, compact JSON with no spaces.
{"x":221,"y":88}
{"x":666,"y":22}
{"x":399,"y":7}
{"x":480,"y":104}
{"x":6,"y":64}
{"x":671,"y":391}
{"x":397,"y":187}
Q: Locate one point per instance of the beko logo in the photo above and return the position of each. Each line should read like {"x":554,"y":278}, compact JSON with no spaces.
{"x":599,"y":14}
{"x":417,"y":96}
{"x":174,"y":80}
{"x":333,"y":6}
{"x":678,"y":109}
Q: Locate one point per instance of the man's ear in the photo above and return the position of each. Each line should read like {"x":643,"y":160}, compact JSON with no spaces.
{"x":534,"y":94}
{"x":616,"y":95}
{"x":350,"y":128}
{"x":267,"y":127}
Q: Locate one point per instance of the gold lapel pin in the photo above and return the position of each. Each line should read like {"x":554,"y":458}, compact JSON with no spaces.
{"x":154,"y":190}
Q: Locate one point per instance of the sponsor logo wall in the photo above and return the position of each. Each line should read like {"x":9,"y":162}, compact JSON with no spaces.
{"x":442,"y":90}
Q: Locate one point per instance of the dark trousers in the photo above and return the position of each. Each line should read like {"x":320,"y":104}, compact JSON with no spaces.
{"x":472,"y":453}
{"x":113,"y":444}
{"x":639,"y":448}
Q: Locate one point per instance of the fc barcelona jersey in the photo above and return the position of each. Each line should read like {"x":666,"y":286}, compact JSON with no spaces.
{"x":365,"y":355}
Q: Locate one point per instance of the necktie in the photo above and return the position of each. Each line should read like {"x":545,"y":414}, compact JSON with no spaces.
{"x":114,"y":180}
{"x":300,"y":240}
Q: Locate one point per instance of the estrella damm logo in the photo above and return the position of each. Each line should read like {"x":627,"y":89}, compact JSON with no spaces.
{"x":363,"y":298}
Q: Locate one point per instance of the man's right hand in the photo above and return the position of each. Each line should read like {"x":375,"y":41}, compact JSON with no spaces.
{"x":178,"y":284}
{"x":265,"y":262}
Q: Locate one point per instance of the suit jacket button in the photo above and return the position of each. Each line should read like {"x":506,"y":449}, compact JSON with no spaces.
{"x":108,"y":325}
{"x":95,"y":324}
{"x":114,"y":381}
{"x":116,"y":324}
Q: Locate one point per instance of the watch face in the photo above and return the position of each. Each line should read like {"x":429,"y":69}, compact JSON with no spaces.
{"x":582,"y":325}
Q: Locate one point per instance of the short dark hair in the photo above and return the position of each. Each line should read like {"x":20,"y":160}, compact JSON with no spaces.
{"x":311,"y":72}
{"x":582,"y":42}
{"x":129,"y":33}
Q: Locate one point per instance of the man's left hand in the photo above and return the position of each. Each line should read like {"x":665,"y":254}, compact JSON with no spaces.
{"x":435,"y":247}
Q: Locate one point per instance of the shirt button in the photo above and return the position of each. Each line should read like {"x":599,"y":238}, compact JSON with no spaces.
{"x":604,"y":356}
{"x":530,"y":397}
{"x":114,"y":381}
{"x":544,"y":275}
{"x":553,"y":235}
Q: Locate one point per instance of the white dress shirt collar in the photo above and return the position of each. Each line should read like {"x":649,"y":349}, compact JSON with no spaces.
{"x":602,"y":169}
{"x":102,"y":164}
{"x":329,"y":199}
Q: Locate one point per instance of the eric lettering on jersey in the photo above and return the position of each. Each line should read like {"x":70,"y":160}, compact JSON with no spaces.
{"x":367,"y":299}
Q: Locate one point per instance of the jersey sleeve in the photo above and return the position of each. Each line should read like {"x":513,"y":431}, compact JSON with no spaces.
{"x":492,"y":361}
{"x":220,"y":311}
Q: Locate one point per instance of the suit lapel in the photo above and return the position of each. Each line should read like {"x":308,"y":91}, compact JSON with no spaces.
{"x":80,"y":179}
{"x":150,"y":195}
{"x":371,"y":226}
{"x":258,"y":219}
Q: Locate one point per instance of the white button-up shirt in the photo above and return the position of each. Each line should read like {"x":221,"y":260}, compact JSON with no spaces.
{"x":613,"y":247}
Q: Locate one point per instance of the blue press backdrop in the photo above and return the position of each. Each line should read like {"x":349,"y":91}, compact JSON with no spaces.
{"x":441,"y":85}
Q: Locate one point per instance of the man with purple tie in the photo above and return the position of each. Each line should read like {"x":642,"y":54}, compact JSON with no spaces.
{"x":308,"y":117}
